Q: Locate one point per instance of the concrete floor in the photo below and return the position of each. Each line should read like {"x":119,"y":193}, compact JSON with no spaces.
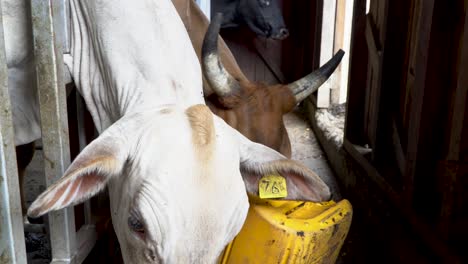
{"x":305,"y":148}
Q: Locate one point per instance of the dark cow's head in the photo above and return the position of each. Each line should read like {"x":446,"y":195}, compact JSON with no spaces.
{"x":254,"y":109}
{"x":263,"y":17}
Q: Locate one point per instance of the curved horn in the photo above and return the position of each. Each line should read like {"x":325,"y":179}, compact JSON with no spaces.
{"x":305,"y":86}
{"x":221,"y":81}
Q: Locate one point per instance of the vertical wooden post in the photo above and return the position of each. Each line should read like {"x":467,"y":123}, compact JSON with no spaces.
{"x":417,"y":94}
{"x":326,"y":49}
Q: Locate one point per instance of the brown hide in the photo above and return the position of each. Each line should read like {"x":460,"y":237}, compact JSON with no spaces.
{"x":256,"y":110}
{"x":257,"y":113}
{"x":196,"y":24}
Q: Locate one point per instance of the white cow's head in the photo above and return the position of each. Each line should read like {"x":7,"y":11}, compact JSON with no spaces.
{"x":179,"y":180}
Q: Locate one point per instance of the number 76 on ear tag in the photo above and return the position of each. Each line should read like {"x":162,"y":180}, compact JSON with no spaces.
{"x":272,"y":186}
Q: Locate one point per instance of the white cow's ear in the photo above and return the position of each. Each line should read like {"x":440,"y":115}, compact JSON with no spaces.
{"x":87,"y":175}
{"x":258,"y":160}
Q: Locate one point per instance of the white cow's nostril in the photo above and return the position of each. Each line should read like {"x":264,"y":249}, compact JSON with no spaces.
{"x":151,"y":254}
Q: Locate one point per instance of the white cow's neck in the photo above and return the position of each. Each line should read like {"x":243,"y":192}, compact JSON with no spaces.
{"x":144,"y":63}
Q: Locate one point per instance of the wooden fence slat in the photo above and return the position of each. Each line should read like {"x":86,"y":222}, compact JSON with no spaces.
{"x":417,"y":94}
{"x":326,"y":49}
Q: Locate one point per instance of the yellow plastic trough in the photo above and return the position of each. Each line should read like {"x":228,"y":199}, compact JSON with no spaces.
{"x":290,"y":232}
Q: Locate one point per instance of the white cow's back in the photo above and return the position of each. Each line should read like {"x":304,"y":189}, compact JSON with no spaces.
{"x":148,"y":57}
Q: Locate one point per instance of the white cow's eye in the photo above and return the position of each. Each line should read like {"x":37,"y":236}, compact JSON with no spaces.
{"x":136,"y":225}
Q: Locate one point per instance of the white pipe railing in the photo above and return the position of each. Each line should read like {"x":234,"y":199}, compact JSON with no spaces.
{"x":12,"y":246}
{"x":50,"y":34}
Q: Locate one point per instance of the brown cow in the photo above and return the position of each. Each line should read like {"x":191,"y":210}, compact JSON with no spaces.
{"x":196,"y":24}
{"x":255,"y":109}
{"x":266,"y":104}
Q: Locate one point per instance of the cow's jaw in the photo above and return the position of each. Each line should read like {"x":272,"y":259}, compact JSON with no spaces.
{"x":191,"y":208}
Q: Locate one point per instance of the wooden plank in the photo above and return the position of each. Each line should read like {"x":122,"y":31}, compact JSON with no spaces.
{"x":345,"y":10}
{"x":397,"y":148}
{"x":374,"y":84}
{"x":270,"y":52}
{"x":393,"y":72}
{"x":419,"y":226}
{"x":297,"y":56}
{"x":263,"y":72}
{"x":358,"y":57}
{"x":460,"y":97}
{"x":240,"y":52}
{"x":338,"y":44}
{"x":454,"y":170}
{"x":249,"y":59}
{"x":371,"y":172}
{"x":326,"y":49}
{"x":86,"y":239}
{"x":317,"y":33}
{"x":417,"y":94}
{"x":374,"y":52}
{"x":411,"y":49}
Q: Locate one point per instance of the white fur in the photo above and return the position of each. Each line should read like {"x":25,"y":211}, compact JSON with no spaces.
{"x":129,"y":58}
{"x":21,"y":78}
{"x":133,"y":63}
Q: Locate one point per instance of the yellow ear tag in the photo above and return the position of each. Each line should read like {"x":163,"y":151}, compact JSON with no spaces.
{"x":272,"y":186}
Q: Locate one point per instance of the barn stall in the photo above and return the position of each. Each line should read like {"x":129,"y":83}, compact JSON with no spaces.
{"x":401,"y":160}
{"x":69,"y":235}
{"x":393,"y":131}
{"x":70,"y":243}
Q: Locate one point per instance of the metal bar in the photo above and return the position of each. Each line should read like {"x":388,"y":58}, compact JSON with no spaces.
{"x":82,"y":144}
{"x":52,"y":98}
{"x":87,"y":235}
{"x":63,"y":30}
{"x":86,"y":238}
{"x":12,"y":245}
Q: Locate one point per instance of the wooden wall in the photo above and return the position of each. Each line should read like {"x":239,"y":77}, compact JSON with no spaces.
{"x":408,"y":101}
{"x":274,"y":61}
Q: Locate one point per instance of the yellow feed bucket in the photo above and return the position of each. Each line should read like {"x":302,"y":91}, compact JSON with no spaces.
{"x":290,"y":232}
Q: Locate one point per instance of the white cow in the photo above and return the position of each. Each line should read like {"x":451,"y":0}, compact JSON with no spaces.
{"x":178,"y":176}
{"x":21,"y":72}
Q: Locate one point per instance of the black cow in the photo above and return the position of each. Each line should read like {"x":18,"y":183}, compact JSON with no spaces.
{"x":263,"y":17}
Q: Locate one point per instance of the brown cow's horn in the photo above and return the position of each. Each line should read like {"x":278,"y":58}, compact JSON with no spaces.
{"x":304,"y":87}
{"x":221,"y":81}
